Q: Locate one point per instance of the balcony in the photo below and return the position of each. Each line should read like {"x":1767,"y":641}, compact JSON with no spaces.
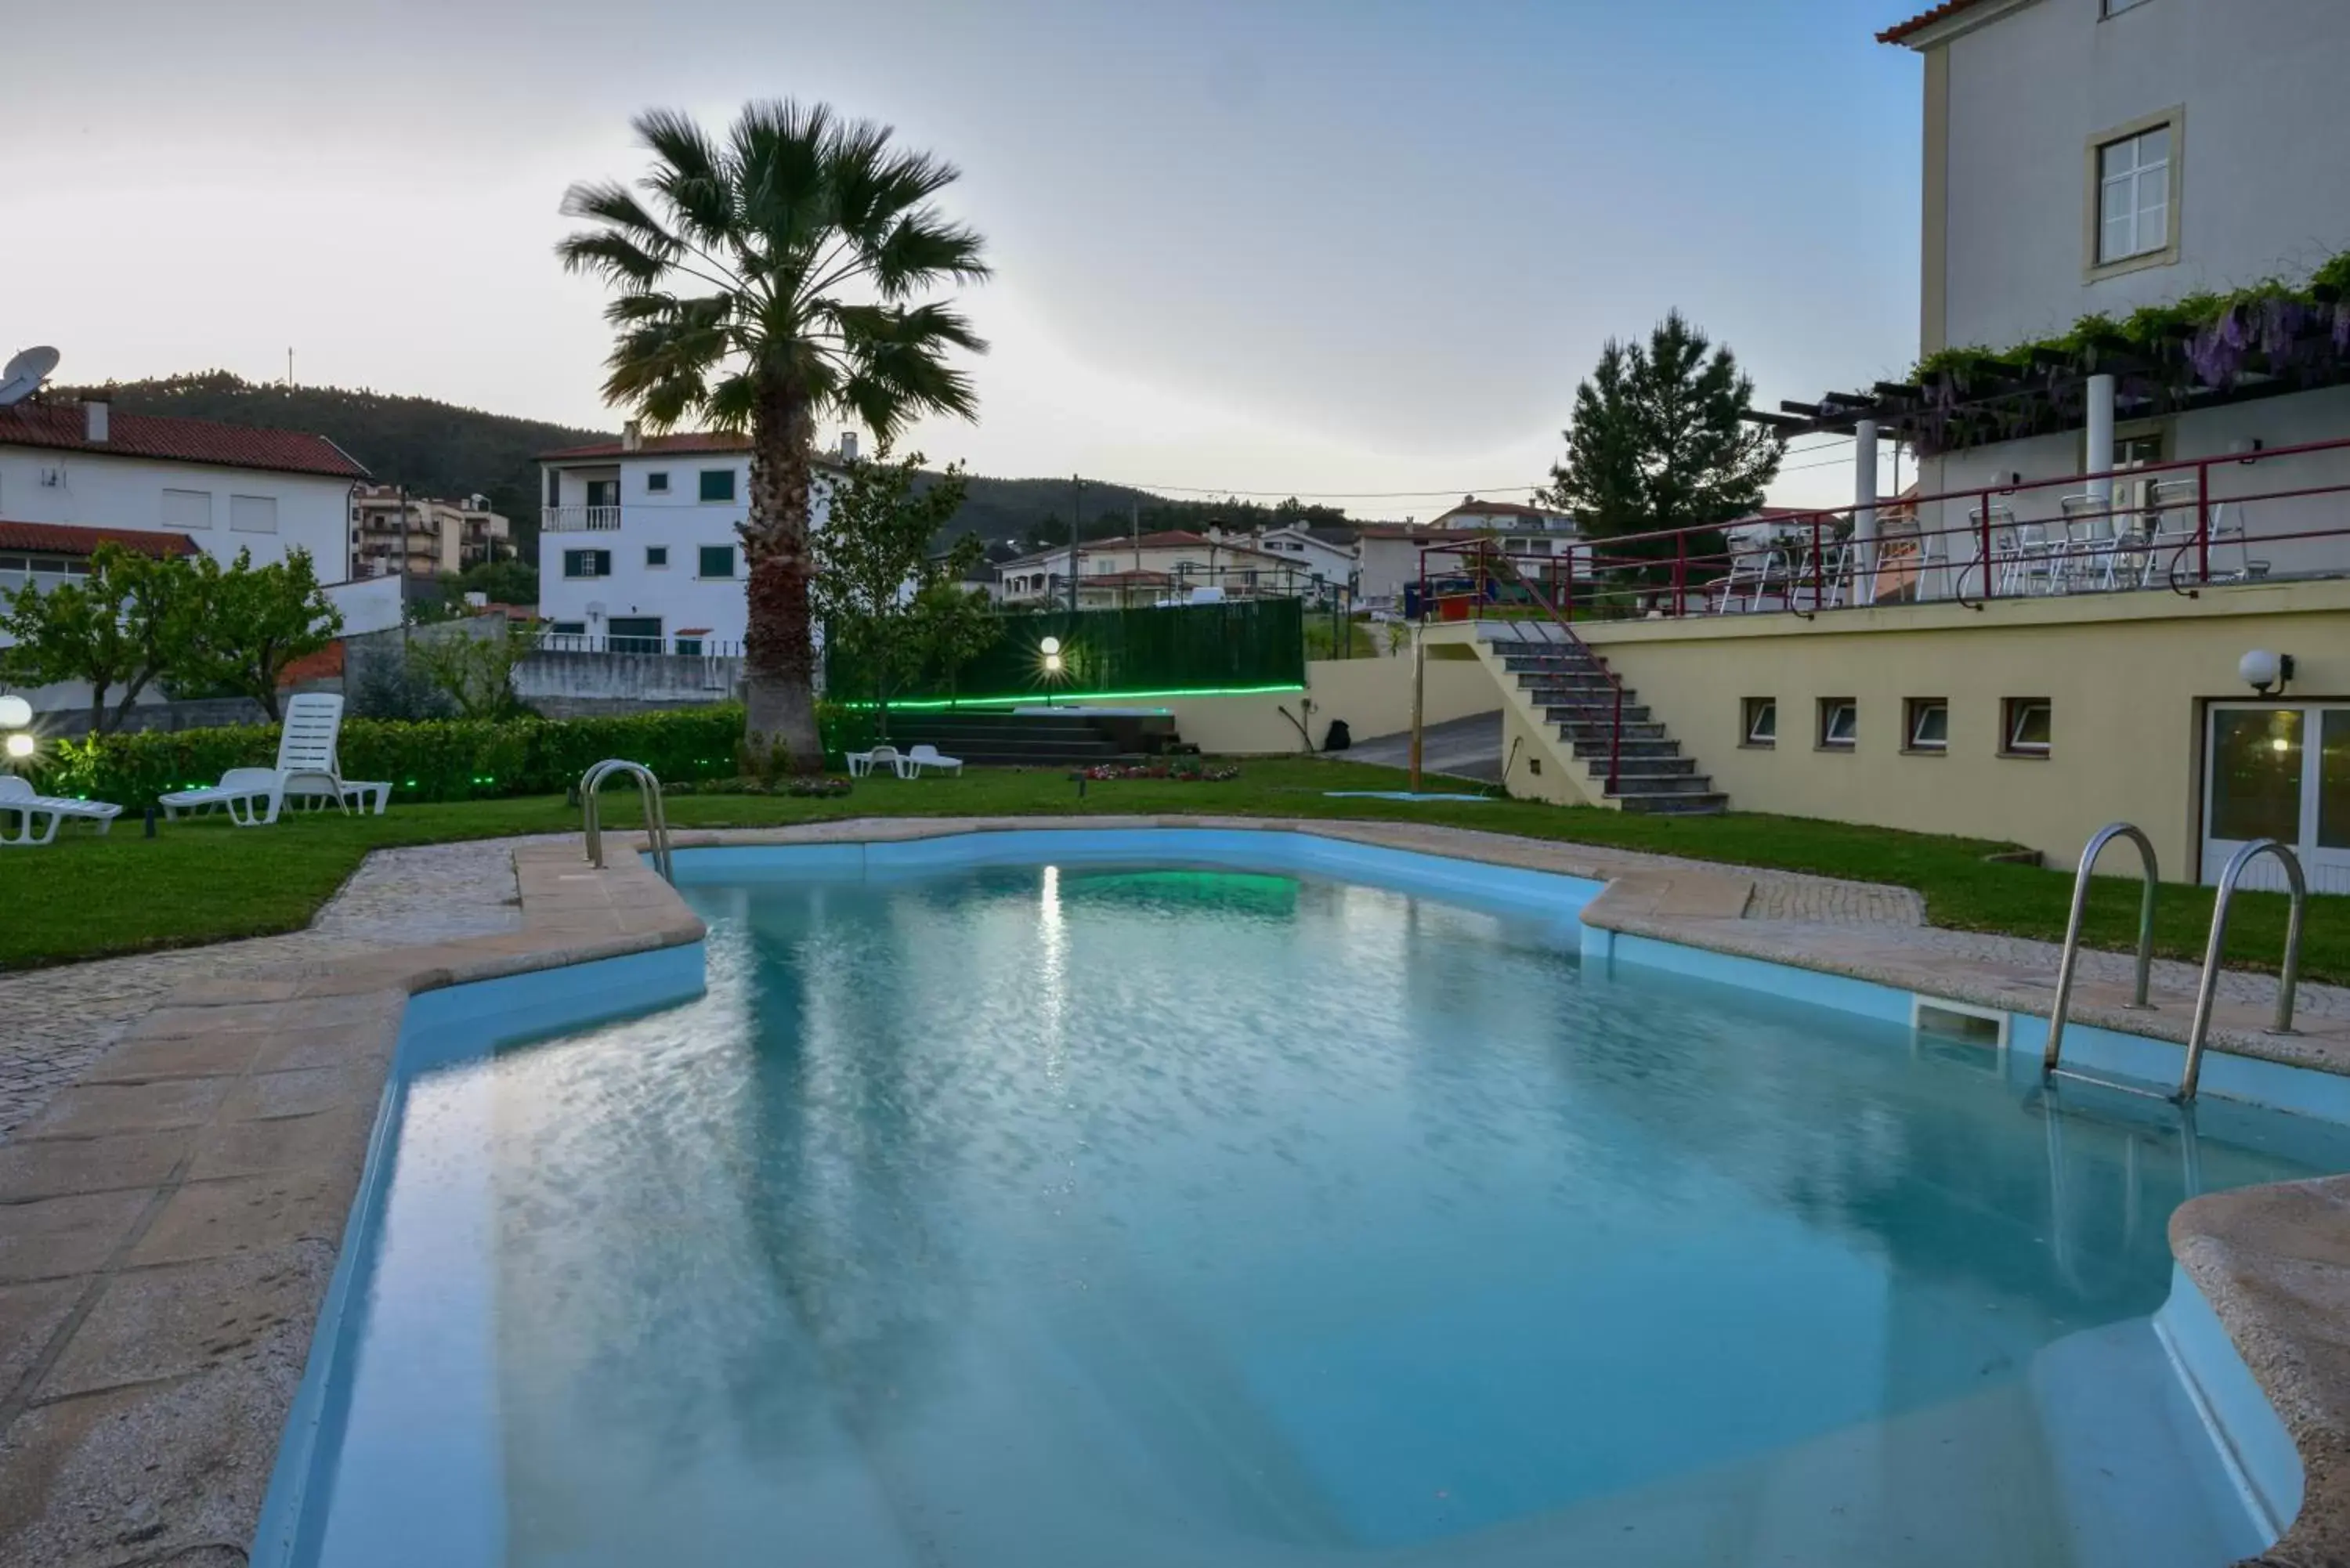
{"x":579,"y":519}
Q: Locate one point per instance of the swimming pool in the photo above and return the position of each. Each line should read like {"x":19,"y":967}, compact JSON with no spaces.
{"x":1078,"y":1202}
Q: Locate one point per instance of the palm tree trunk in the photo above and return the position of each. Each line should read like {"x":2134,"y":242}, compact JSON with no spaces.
{"x":778,"y":653}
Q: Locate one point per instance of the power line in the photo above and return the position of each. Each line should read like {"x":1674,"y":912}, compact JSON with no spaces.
{"x":1322,"y":494}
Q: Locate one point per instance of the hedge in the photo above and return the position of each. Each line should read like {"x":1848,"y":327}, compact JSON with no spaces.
{"x":430,"y":759}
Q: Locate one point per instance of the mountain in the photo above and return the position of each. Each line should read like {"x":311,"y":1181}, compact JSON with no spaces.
{"x":441,"y":449}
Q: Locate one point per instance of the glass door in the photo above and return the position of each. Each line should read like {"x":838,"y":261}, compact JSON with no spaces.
{"x":2279,"y":771}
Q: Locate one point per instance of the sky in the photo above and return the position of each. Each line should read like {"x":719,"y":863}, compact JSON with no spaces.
{"x":1279,"y":245}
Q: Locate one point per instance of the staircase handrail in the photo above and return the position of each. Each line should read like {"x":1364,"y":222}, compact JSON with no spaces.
{"x":1484,"y":551}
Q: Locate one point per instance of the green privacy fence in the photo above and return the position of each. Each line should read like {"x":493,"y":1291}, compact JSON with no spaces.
{"x":1248,"y":645}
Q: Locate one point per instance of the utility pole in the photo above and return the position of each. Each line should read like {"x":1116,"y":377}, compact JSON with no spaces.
{"x":1076,"y":531}
{"x":403,"y":580}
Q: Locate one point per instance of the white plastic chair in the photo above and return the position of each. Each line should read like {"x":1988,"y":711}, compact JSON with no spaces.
{"x":29,"y":807}
{"x":307,"y":769}
{"x":927,"y":756}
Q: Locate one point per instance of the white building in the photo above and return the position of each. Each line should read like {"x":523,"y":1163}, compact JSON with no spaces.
{"x":639,"y":549}
{"x":1329,"y":555}
{"x":1146,"y":569}
{"x":226,"y":487}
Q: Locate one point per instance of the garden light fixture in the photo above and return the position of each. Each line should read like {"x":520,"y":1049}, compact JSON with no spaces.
{"x":20,"y":746}
{"x":2260,"y":670}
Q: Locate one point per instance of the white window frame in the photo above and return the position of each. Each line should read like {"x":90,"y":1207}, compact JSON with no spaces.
{"x":2164,"y":174}
{"x":1829,"y":740}
{"x":592,"y":553}
{"x":2328,"y":870}
{"x":256,"y":509}
{"x":1758,"y":721}
{"x":178,"y":526}
{"x":1914,"y":740}
{"x":2012,"y":711}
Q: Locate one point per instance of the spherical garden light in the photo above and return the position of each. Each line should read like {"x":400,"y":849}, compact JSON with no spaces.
{"x":20,"y":746}
{"x":16,"y":713}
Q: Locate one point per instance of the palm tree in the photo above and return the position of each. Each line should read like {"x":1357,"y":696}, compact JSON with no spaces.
{"x":769,"y":281}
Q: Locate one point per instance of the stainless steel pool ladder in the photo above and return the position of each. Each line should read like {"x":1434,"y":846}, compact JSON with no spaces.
{"x":656,"y":815}
{"x":2069,"y":963}
{"x":2208,"y":992}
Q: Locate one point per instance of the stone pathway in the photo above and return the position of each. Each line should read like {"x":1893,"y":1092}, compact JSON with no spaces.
{"x":54,"y":1022}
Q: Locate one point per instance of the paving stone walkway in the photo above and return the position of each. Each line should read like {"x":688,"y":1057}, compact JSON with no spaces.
{"x":54,"y":1022}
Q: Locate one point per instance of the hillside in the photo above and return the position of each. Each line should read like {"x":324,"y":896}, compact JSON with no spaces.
{"x":441,"y":449}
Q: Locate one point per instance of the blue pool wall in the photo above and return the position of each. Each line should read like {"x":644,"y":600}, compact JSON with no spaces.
{"x":460,"y":1023}
{"x":439,"y":1029}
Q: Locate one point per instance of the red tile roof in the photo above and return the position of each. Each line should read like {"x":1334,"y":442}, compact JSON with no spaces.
{"x":1899,"y":32}
{"x":63,"y":539}
{"x":1497,"y":508}
{"x":686,"y":441}
{"x":60,"y":426}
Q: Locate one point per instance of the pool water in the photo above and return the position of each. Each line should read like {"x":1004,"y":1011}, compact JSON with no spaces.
{"x":1101,"y":1216}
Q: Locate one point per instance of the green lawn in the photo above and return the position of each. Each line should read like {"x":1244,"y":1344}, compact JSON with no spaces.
{"x":199,"y":882}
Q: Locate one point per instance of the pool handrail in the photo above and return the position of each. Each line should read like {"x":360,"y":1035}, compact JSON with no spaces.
{"x":2066,"y":965}
{"x":649,"y":790}
{"x":2208,"y":992}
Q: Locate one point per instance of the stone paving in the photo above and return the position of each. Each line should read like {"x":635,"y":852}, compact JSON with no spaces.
{"x":55,"y":1021}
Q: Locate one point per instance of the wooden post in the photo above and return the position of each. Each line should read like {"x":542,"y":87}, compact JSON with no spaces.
{"x":1418,"y":689}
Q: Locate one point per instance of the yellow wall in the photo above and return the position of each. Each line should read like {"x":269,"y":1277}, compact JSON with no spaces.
{"x":2127,"y":675}
{"x":1372,"y":695}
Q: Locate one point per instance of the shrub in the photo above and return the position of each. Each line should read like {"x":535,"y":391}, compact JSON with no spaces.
{"x":426,"y":760}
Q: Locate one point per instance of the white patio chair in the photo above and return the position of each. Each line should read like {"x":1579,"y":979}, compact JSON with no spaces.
{"x":2175,"y":501}
{"x":863,"y":762}
{"x":307,"y":769}
{"x":19,"y":800}
{"x":928,"y":756}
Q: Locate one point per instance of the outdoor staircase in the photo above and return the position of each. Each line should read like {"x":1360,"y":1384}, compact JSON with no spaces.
{"x":1571,"y":688}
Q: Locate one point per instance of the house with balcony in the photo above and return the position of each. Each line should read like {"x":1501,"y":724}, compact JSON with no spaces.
{"x":638,"y":549}
{"x":394,"y":534}
{"x":2120,"y":589}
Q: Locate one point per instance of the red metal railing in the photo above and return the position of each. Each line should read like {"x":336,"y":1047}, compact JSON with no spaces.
{"x":2173,"y":524}
{"x":1486,"y":568}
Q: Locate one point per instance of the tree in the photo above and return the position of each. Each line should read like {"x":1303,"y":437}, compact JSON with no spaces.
{"x":476,"y":673}
{"x":873,"y":565}
{"x":506,"y":581}
{"x":132,"y":620}
{"x":767,"y":281}
{"x":252,"y":622}
{"x":1657,"y":443}
{"x":954,"y":623}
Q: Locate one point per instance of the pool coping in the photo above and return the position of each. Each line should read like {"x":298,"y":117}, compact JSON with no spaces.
{"x":206,"y":1164}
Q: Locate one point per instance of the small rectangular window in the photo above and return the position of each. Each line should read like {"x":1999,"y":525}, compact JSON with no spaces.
{"x":691,"y":647}
{"x":1758,"y":721}
{"x":657,"y":555}
{"x":1926,"y":723}
{"x":1839,"y":723}
{"x":567,"y":628}
{"x":656,"y":484}
{"x":717,"y":561}
{"x":252,"y":514}
{"x":587,"y":563}
{"x":718,"y":484}
{"x":185,"y":509}
{"x":2028,"y":726}
{"x":2134,"y":195}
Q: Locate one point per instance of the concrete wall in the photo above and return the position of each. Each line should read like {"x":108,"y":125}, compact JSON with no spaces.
{"x":2264,"y":157}
{"x":1372,"y":695}
{"x":2128,"y":675}
{"x":594,"y":685}
{"x":105,"y":490}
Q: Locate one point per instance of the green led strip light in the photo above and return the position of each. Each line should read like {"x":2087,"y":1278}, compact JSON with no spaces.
{"x":1078,"y":699}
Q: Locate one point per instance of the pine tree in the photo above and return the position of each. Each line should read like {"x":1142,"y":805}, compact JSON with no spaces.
{"x":1657,"y":443}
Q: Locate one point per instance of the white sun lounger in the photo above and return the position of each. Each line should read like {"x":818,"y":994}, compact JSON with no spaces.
{"x":307,"y":769}
{"x":863,"y":762}
{"x":29,"y":808}
{"x":920,"y":757}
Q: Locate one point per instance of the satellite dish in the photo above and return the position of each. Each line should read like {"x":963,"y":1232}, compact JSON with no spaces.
{"x":25,"y":374}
